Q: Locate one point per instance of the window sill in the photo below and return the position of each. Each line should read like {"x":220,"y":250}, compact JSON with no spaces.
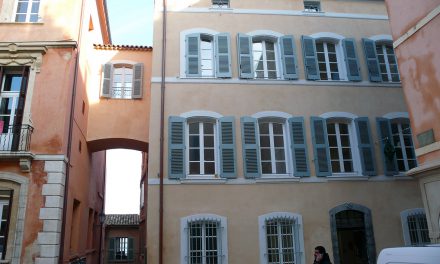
{"x":220,"y":9}
{"x":347,"y":177}
{"x":202,"y":180}
{"x":313,"y":12}
{"x":22,"y":23}
{"x":277,"y":179}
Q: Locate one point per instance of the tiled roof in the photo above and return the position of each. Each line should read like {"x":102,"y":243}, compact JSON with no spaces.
{"x":122,"y":219}
{"x":122,"y":47}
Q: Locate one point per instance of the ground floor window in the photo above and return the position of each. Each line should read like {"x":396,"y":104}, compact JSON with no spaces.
{"x":120,"y":248}
{"x":415,"y":227}
{"x":5,"y":202}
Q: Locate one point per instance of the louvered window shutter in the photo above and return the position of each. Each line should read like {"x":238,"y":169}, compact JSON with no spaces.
{"x":107,"y":80}
{"x":138,"y":74}
{"x":288,"y":55}
{"x":245,"y":56}
{"x":320,"y":146}
{"x":251,"y":152}
{"x":386,"y":146}
{"x":176,"y":147}
{"x":111,"y":249}
{"x":310,"y":58}
{"x":372,"y":61}
{"x":193,"y":65}
{"x":227,"y":147}
{"x":299,"y":147}
{"x":351,"y":60}
{"x":366,"y":146}
{"x":223,"y":55}
{"x":130,"y":248}
{"x":297,"y":239}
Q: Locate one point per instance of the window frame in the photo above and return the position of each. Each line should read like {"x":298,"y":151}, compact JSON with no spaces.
{"x":340,"y":58}
{"x":28,"y":13}
{"x":399,"y":122}
{"x":223,"y":4}
{"x":298,"y":241}
{"x":404,"y":215}
{"x":383,"y":45}
{"x":310,"y":2}
{"x":222,"y":249}
{"x":125,"y":67}
{"x":276,"y":45}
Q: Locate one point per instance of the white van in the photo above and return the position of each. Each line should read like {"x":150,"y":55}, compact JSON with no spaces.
{"x":410,"y":255}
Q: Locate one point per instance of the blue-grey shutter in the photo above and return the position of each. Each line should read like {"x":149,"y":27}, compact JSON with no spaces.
{"x":351,"y":59}
{"x":310,"y":58}
{"x":251,"y":151}
{"x":407,"y":121}
{"x":223,"y":55}
{"x":372,"y":61}
{"x":245,"y":67}
{"x":111,"y":249}
{"x":107,"y":80}
{"x":288,"y":55}
{"x":320,"y":146}
{"x":193,"y":64}
{"x":296,"y":236}
{"x":138,"y":74}
{"x":386,"y":138}
{"x":130,"y":248}
{"x":176,"y":147}
{"x":299,"y":146}
{"x":227,"y":147}
{"x":366,"y":146}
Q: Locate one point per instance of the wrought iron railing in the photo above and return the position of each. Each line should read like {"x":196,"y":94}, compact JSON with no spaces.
{"x":16,"y":138}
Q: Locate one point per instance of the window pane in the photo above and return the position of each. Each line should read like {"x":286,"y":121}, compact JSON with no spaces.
{"x":194,"y":155}
{"x":209,"y":141}
{"x":345,"y":141}
{"x":277,"y":129}
{"x":194,"y":168}
{"x":22,"y":7}
{"x":272,"y":75}
{"x":264,"y":128}
{"x":194,"y":128}
{"x":319,"y":47}
{"x":279,"y":154}
{"x":278,"y":141}
{"x":208,"y":128}
{"x":35,"y":7}
{"x":348,"y":166}
{"x":331,"y":47}
{"x":335,"y":166}
{"x":266,"y":167}
{"x":209,"y":168}
{"x":20,"y":18}
{"x":332,"y":141}
{"x":281,"y":167}
{"x":209,"y":154}
{"x":264,"y":141}
{"x":334,"y":154}
{"x":265,"y":154}
{"x":194,"y":141}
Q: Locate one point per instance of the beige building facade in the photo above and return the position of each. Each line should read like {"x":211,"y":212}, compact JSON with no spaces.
{"x":284,"y":128}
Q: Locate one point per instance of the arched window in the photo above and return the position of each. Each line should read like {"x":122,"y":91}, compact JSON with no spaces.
{"x":122,"y":84}
{"x":264,"y":54}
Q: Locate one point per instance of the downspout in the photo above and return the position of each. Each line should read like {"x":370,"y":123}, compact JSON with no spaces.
{"x":102,"y":230}
{"x":69,"y":140}
{"x":162,"y":114}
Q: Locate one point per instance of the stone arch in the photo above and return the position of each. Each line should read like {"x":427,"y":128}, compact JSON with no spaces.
{"x":113,"y":143}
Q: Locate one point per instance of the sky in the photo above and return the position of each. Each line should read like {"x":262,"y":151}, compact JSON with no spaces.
{"x":131,"y":23}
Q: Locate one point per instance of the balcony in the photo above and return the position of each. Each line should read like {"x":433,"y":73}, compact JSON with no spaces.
{"x":15,"y":144}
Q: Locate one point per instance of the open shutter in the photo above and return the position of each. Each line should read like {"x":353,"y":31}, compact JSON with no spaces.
{"x":138,"y":74}
{"x":310,"y":58}
{"x":299,"y":147}
{"x":245,"y":56}
{"x":351,"y":60}
{"x":227,"y":147}
{"x":193,"y":67}
{"x":298,"y":240}
{"x":288,"y":55}
{"x":130,"y":248}
{"x":111,"y":249}
{"x":372,"y":61}
{"x":251,"y":155}
{"x":366,"y":147}
{"x":223,"y":55}
{"x":386,"y":146}
{"x":107,"y":80}
{"x":320,"y":146}
{"x":176,"y":147}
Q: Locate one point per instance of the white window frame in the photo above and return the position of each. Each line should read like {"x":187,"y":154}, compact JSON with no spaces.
{"x":344,"y":117}
{"x":28,"y":11}
{"x":402,"y":142}
{"x":339,"y":147}
{"x":184,"y":221}
{"x":264,"y":40}
{"x":317,"y":2}
{"x":124,"y":88}
{"x":327,"y":59}
{"x":262,"y":234}
{"x":383,"y":45}
{"x":224,"y":4}
{"x":404,"y":219}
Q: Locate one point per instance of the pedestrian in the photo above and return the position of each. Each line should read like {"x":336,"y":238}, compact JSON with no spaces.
{"x":321,"y":257}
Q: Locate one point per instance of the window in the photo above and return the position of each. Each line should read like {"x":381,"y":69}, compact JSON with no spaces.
{"x":312,"y":6}
{"x":274,"y":145}
{"x":281,"y":238}
{"x":27,"y":11}
{"x":5,"y":201}
{"x":122,"y":81}
{"x":328,"y":56}
{"x":204,"y":239}
{"x":220,"y":3}
{"x":207,"y":55}
{"x":201,"y":146}
{"x":340,"y":147}
{"x":267,"y":55}
{"x":387,"y":63}
{"x":396,"y":144}
{"x":120,"y":248}
{"x":415,"y":227}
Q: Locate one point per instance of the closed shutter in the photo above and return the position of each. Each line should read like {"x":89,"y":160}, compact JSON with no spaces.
{"x":193,"y":65}
{"x":351,"y":60}
{"x":366,"y":146}
{"x":130,"y":248}
{"x":111,"y":249}
{"x":299,"y":147}
{"x":310,"y":58}
{"x":251,"y":155}
{"x":320,"y":146}
{"x":245,"y":56}
{"x":227,"y":147}
{"x":176,"y":147}
{"x":107,"y":80}
{"x":138,"y":74}
{"x":372,"y":61}
{"x":386,"y":146}
{"x":288,"y":55}
{"x":223,"y":55}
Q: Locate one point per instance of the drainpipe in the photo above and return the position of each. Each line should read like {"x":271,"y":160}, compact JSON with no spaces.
{"x":162,"y":113}
{"x":69,"y":140}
